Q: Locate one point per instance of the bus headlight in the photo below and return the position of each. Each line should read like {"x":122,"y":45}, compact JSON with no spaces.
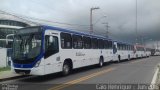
{"x":37,"y":64}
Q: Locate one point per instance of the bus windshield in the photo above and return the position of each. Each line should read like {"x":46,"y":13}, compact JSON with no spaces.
{"x":26,"y":46}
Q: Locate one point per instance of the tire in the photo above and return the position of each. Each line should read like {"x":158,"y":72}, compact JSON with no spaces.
{"x":101,"y":62}
{"x":119,"y":58}
{"x":129,"y":57}
{"x":136,"y":56}
{"x":66,"y":69}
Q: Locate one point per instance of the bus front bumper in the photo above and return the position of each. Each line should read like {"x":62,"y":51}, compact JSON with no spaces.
{"x":30,"y":71}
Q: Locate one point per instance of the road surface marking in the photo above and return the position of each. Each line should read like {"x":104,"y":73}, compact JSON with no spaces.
{"x":70,"y":83}
{"x":155,"y":77}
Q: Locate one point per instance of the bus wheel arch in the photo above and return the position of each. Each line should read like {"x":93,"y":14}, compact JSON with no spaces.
{"x":67,"y":66}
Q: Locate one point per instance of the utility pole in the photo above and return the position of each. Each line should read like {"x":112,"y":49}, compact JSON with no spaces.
{"x":157,"y":45}
{"x":136,"y":28}
{"x":91,"y":21}
{"x":153,"y":46}
{"x":142,"y":40}
{"x":107,"y":29}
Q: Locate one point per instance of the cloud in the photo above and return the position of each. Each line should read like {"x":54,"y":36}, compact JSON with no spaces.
{"x":121,"y":15}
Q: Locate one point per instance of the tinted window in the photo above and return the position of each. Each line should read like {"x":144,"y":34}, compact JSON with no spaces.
{"x":106,"y":44}
{"x":94,"y":43}
{"x":87,"y":42}
{"x":120,"y":46}
{"x":51,"y":45}
{"x":124,"y":47}
{"x":110,"y":44}
{"x":66,"y":41}
{"x":100,"y":44}
{"x":128,"y":47}
{"x":77,"y":42}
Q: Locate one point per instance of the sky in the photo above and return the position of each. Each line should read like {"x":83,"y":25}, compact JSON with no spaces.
{"x":119,"y":14}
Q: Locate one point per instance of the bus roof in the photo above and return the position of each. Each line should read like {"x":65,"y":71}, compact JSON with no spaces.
{"x":74,"y":32}
{"x":78,"y":33}
{"x":81,"y":33}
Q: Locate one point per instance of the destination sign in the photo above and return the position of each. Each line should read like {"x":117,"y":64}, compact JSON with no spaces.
{"x":29,"y":30}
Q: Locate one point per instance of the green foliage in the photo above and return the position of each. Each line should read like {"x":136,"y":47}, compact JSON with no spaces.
{"x":5,"y":69}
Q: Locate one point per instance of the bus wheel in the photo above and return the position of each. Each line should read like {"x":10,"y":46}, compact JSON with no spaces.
{"x":101,"y":62}
{"x":66,"y":69}
{"x":129,"y":57}
{"x":136,"y":56}
{"x":119,"y":58}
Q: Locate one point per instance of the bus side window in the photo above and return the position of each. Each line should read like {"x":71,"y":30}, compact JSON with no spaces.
{"x":100,"y":44}
{"x":51,"y":45}
{"x":87,"y":42}
{"x":110,"y":45}
{"x":94,"y":42}
{"x":77,"y":42}
{"x":66,"y":41}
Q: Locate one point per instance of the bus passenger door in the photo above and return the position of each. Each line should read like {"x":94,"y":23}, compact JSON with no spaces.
{"x":51,"y":56}
{"x":115,"y":50}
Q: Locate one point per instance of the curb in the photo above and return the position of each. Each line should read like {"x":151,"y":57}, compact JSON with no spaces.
{"x":14,"y":77}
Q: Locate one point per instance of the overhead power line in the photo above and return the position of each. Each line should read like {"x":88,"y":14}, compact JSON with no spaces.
{"x":28,"y":19}
{"x":6,"y":13}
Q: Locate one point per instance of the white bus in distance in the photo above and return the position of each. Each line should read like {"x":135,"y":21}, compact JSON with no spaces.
{"x":122,"y":51}
{"x":157,"y":52}
{"x":148,"y":52}
{"x":140,"y":51}
{"x":44,"y":50}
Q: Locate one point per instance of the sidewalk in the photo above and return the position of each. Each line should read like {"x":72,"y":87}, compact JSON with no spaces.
{"x":6,"y":75}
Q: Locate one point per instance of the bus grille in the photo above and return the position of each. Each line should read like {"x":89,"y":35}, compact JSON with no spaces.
{"x":22,"y":71}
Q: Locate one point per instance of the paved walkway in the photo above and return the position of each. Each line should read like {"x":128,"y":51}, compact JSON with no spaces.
{"x":7,"y":74}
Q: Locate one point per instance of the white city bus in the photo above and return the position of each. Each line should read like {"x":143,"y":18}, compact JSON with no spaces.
{"x":157,"y":52}
{"x":44,"y":50}
{"x":123,"y":51}
{"x":140,"y":51}
{"x":148,"y":52}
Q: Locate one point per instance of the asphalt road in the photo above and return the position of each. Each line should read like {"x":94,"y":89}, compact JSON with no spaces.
{"x":127,"y":74}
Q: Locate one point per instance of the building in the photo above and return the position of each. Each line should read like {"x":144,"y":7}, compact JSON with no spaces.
{"x":9,"y":24}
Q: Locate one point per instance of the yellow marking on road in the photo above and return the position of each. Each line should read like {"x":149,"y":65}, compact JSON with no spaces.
{"x":70,"y":83}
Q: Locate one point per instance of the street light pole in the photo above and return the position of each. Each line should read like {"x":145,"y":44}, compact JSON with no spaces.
{"x":157,"y":45}
{"x":153,"y":46}
{"x":136,"y":23}
{"x":91,"y":23}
